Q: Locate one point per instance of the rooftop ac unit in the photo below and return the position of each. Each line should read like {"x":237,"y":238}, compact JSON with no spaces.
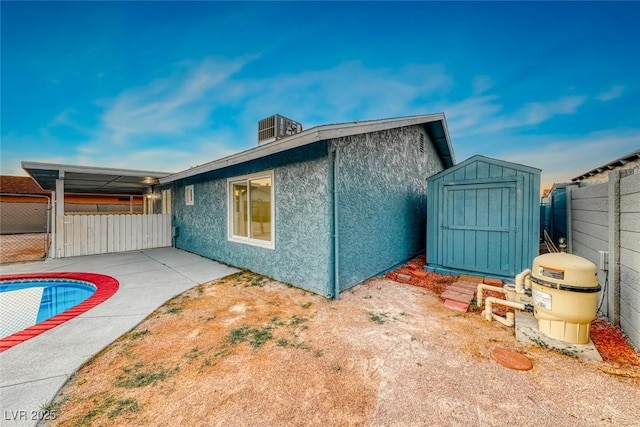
{"x":276,"y":127}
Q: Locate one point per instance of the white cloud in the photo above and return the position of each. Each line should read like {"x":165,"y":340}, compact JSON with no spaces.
{"x":481,"y":84}
{"x":170,"y":124}
{"x":165,"y":125}
{"x":163,"y":159}
{"x":468,"y":115}
{"x":562,"y":158}
{"x":345,"y":92}
{"x":484,"y":114}
{"x":63,"y":118}
{"x":611,"y":94}
{"x":533,"y":113}
{"x":173,"y":157}
{"x":538,"y":112}
{"x":64,"y":121}
{"x":168,"y":106}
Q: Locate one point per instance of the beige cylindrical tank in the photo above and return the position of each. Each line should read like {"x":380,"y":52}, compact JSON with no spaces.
{"x":565,"y":296}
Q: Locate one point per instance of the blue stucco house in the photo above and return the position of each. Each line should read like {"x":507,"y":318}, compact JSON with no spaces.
{"x":323,"y":209}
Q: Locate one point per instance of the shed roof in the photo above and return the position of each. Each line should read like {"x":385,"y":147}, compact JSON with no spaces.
{"x":436,"y":126}
{"x":609,"y":166}
{"x":89,"y":179}
{"x":477,"y":157}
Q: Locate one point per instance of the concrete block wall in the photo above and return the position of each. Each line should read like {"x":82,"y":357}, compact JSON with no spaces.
{"x":629,"y":273}
{"x":606,"y":217}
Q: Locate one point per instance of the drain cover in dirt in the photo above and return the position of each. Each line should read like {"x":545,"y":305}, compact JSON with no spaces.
{"x":511,"y":359}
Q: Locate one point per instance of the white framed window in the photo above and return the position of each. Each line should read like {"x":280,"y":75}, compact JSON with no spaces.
{"x":188,"y":195}
{"x":251,"y":207}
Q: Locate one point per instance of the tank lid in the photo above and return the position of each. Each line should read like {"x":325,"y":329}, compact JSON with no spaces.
{"x":566,"y":272}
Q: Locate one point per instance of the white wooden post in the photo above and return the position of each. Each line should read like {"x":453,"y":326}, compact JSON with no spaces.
{"x":52,"y":221}
{"x":59,"y":209}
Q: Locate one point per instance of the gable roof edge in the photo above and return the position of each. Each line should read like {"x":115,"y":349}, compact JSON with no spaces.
{"x":315,"y":134}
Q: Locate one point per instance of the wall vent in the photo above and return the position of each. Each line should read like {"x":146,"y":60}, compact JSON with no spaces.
{"x":276,"y":127}
{"x":421,"y":143}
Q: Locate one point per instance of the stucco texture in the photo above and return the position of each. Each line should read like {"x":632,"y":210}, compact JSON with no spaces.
{"x":381,"y":190}
{"x":382,"y":200}
{"x":302,"y":221}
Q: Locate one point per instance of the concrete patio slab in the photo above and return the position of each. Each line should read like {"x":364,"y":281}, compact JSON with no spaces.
{"x":32,"y":372}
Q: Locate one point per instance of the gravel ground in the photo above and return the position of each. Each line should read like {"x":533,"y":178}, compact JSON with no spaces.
{"x":249,"y":351}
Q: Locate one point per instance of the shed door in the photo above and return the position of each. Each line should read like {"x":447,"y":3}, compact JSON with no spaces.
{"x":479,"y":227}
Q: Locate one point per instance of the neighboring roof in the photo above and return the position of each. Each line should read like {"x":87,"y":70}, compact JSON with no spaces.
{"x":20,"y":185}
{"x":477,"y":157}
{"x":561,"y":186}
{"x":94,"y":180}
{"x":609,"y":166}
{"x":435,"y":123}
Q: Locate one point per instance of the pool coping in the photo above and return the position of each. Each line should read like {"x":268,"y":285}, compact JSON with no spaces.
{"x":105,"y":285}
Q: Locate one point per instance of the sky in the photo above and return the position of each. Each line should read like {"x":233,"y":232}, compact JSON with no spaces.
{"x":164,"y":86}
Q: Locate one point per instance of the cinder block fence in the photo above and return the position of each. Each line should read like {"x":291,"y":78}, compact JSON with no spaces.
{"x":604,"y":227}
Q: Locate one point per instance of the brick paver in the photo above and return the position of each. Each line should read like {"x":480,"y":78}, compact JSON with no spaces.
{"x":493,"y":281}
{"x":456,"y":305}
{"x":458,"y":295}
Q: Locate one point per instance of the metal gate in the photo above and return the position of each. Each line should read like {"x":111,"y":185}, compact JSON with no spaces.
{"x":24,"y":227}
{"x":479,"y":226}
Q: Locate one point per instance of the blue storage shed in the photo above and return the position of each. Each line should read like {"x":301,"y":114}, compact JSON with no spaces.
{"x":483,"y":218}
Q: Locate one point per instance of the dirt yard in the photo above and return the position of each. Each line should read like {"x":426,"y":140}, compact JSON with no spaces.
{"x":249,"y":351}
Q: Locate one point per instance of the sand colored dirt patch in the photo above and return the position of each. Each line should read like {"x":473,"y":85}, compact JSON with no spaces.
{"x":249,"y":351}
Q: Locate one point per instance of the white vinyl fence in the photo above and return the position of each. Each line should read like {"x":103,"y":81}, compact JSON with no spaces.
{"x":102,"y":234}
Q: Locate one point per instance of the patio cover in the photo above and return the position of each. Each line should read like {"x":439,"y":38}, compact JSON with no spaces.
{"x":93,"y":180}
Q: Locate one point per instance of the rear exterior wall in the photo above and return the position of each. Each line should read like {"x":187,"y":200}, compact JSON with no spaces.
{"x":302,"y":224}
{"x":381,"y":200}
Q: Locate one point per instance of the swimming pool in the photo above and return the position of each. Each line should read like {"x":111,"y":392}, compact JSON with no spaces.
{"x":34,"y":303}
{"x":25,"y":302}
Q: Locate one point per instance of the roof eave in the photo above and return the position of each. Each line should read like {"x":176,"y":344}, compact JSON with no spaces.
{"x":449,"y":146}
{"x":609,"y":166}
{"x":27,"y":165}
{"x":315,"y":134}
